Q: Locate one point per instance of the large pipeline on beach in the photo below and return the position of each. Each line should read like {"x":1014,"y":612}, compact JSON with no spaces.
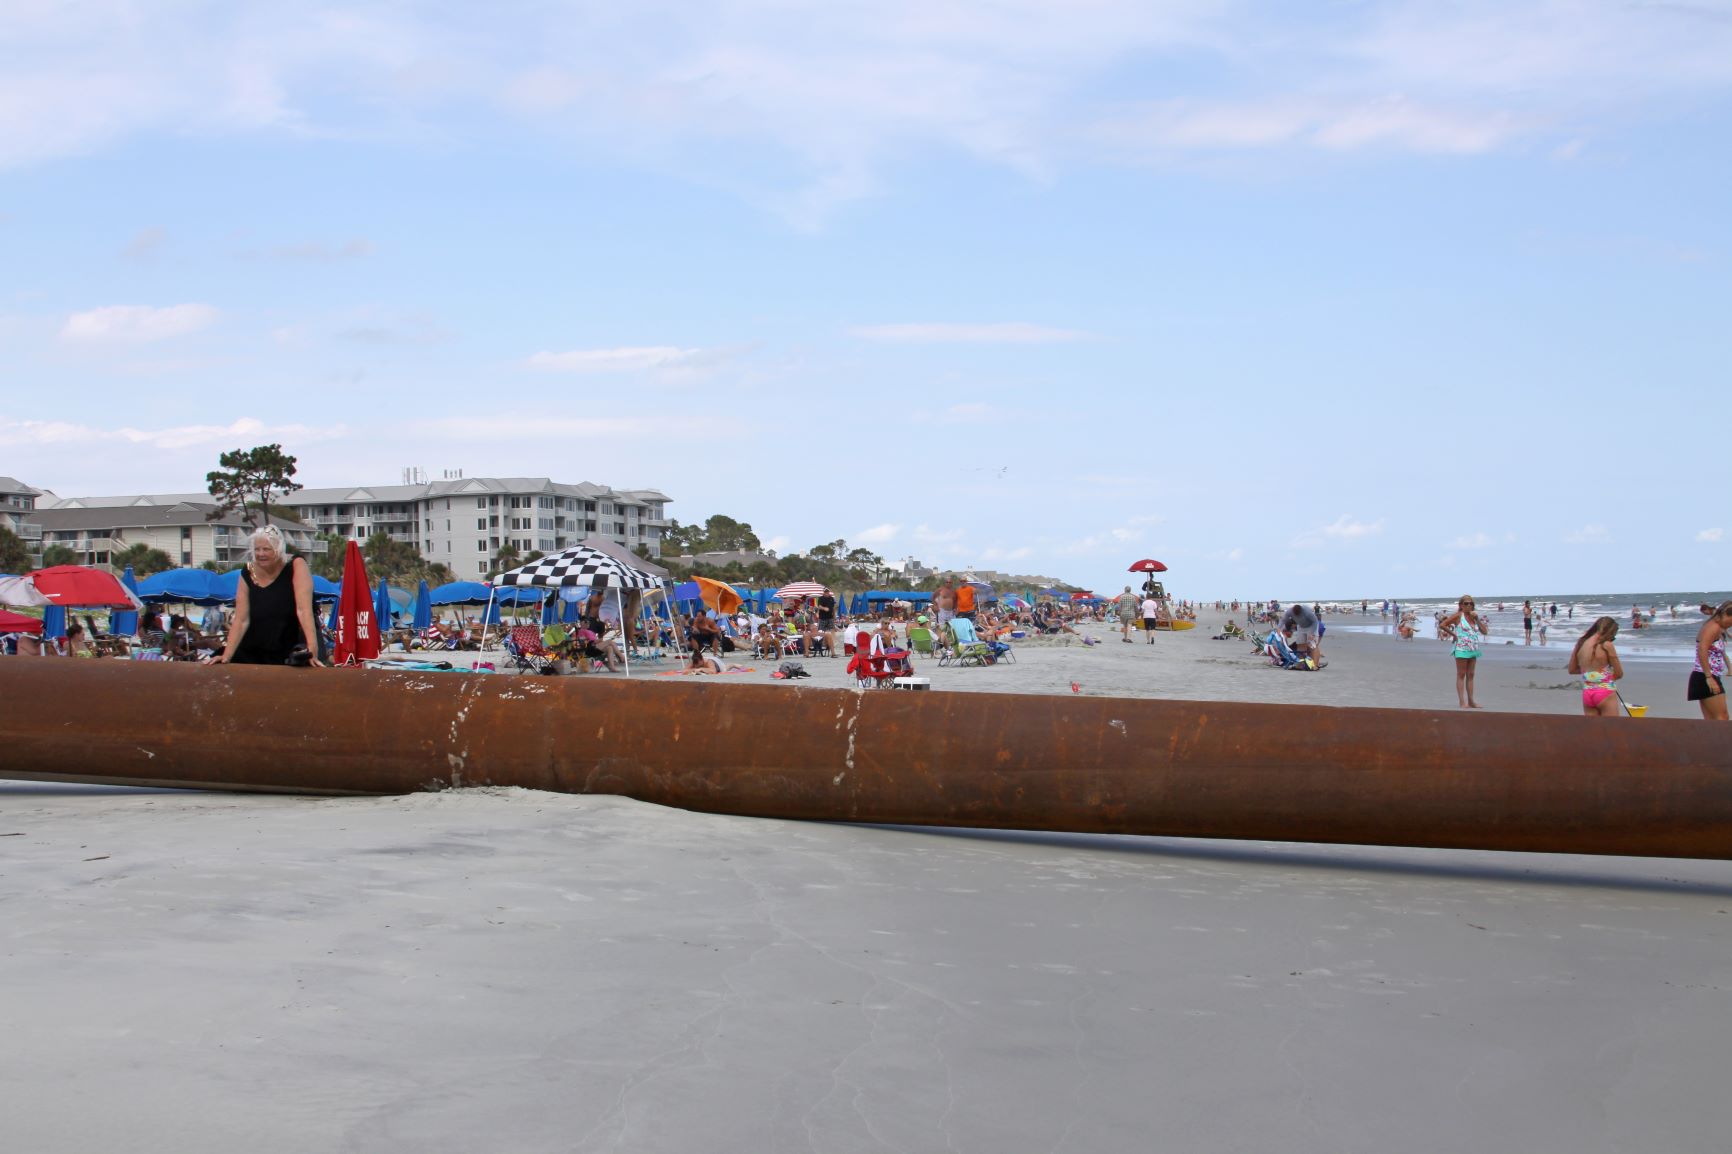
{"x":1086,"y":765}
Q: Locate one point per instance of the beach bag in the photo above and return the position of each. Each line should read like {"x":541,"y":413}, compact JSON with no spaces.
{"x":792,"y":669}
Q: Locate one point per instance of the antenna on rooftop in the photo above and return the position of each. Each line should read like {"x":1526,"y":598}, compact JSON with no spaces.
{"x":452,"y":475}
{"x":414,"y":475}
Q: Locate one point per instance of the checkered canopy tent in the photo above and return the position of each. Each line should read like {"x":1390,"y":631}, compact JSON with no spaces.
{"x":578,"y":565}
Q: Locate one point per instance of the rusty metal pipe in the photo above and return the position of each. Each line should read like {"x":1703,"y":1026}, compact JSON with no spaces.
{"x":1089,"y":765}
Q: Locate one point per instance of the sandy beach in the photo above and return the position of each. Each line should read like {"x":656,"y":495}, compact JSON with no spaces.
{"x":510,"y":970}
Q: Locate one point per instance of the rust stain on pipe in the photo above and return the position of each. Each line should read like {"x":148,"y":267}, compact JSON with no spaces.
{"x":1088,"y":765}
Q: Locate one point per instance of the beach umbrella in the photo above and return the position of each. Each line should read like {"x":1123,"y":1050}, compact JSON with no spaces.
{"x":187,"y":587}
{"x":336,"y":612}
{"x":382,"y":606}
{"x":80,"y":587}
{"x":796,"y":589}
{"x":463,"y":593}
{"x":54,"y":621}
{"x":357,"y":628}
{"x":324,"y":589}
{"x":124,"y":622}
{"x":722,"y":598}
{"x":581,"y":565}
{"x":21,"y":591}
{"x":423,"y":608}
{"x":1147,"y":565}
{"x":1083,"y":596}
{"x":1014,"y":602}
{"x":550,"y":611}
{"x":982,"y":590}
{"x":11,"y":622}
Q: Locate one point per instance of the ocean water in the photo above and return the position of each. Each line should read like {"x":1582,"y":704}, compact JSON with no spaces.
{"x":1671,"y":636}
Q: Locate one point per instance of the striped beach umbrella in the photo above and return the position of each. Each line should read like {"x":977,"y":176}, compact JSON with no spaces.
{"x":795,"y":589}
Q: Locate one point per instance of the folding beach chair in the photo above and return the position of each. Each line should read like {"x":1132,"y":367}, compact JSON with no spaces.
{"x":523,"y":645}
{"x":870,"y":665}
{"x":969,"y":648}
{"x":1279,"y":652}
{"x":920,"y":639}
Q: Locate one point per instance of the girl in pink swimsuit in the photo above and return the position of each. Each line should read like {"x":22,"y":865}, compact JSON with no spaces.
{"x":1595,"y":658}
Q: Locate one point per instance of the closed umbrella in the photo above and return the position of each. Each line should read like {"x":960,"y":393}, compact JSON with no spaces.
{"x":124,"y":622}
{"x":382,"y":606}
{"x":54,"y":622}
{"x":357,"y":628}
{"x":423,"y":608}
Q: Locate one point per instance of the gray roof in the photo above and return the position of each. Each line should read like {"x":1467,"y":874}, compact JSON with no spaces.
{"x":150,"y":517}
{"x":385,"y":494}
{"x":620,"y":553}
{"x":14,"y":485}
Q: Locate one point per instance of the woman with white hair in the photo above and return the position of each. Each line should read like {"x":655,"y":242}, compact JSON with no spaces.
{"x":273,"y":607}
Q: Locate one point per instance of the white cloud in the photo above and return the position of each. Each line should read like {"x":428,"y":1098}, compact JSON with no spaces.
{"x":927,"y":535}
{"x":134,"y":323}
{"x":878,"y":534}
{"x":637,"y":359}
{"x":174,"y":437}
{"x":1007,"y":333}
{"x":1710,"y":534}
{"x":1345,"y":528}
{"x":1472,"y":541}
{"x":1332,"y":124}
{"x":824,"y":106}
{"x":1588,"y":535}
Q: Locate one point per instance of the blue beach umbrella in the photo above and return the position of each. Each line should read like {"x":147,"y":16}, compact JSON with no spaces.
{"x":124,"y":622}
{"x":382,"y":605}
{"x":336,"y":606}
{"x":53,"y":622}
{"x":423,"y":608}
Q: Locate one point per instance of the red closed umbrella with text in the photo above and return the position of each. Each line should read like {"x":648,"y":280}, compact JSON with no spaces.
{"x":357,"y":631}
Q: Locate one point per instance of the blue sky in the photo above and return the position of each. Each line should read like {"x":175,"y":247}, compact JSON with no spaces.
{"x":1336,"y":300}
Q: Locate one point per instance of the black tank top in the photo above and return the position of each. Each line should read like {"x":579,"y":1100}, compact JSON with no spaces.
{"x":273,"y":630}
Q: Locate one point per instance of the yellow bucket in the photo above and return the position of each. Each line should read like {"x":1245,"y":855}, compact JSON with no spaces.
{"x":1637,"y":710}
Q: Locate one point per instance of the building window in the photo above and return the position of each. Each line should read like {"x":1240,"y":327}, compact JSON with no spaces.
{"x":544,"y":523}
{"x":481,"y":545}
{"x":481,"y":502}
{"x":607,"y":509}
{"x":481,"y":522}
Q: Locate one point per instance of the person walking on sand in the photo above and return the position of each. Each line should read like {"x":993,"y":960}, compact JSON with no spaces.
{"x":1128,"y":607}
{"x":944,"y":601}
{"x":1595,"y":659}
{"x":1151,"y":614}
{"x":1465,"y":629}
{"x":1707,"y":678}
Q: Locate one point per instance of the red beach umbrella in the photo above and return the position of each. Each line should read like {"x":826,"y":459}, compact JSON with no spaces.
{"x":1146,"y":565}
{"x":357,"y":632}
{"x":11,"y":622}
{"x":80,"y":587}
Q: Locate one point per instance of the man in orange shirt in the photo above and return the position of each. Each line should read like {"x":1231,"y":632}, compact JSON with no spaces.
{"x":965,"y":601}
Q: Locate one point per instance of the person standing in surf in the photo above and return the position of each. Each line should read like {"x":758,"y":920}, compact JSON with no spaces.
{"x":1466,"y":629}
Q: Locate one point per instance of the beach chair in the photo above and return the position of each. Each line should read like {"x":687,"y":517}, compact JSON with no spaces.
{"x":969,"y":648}
{"x":920,"y":639}
{"x":1279,"y":652}
{"x":870,"y":665}
{"x":523,"y":644}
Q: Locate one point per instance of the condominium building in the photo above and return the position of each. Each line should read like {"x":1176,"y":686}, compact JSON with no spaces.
{"x":17,"y":513}
{"x":461,"y":522}
{"x":184,"y":530}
